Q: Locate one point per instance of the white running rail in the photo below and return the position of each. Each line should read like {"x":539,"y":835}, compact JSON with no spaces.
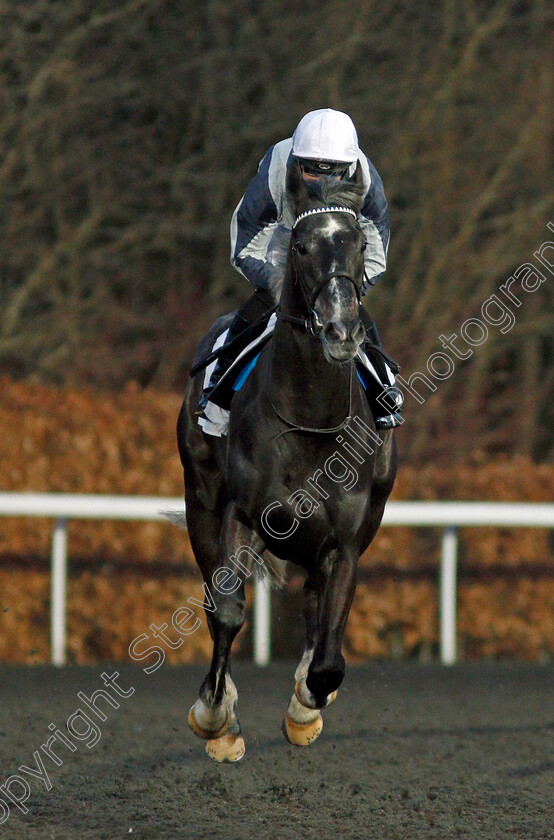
{"x":448,"y":515}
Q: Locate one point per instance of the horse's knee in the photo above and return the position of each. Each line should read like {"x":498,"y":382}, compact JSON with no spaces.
{"x":324,"y":678}
{"x":229,"y":615}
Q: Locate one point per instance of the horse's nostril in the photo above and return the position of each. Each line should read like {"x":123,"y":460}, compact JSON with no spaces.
{"x":335,"y":332}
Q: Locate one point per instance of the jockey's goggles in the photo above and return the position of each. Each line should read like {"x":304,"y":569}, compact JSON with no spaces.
{"x":324,"y":167}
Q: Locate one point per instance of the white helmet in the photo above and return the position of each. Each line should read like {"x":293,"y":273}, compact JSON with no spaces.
{"x":326,"y":135}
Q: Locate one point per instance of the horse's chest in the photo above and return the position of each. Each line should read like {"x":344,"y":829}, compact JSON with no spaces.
{"x":309,"y":498}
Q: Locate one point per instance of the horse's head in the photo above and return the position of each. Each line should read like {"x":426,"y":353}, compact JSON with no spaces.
{"x":326,"y":261}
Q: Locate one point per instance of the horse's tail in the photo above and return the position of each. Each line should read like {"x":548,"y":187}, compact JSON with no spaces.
{"x":272,"y":569}
{"x":269,"y":567}
{"x":176,"y":517}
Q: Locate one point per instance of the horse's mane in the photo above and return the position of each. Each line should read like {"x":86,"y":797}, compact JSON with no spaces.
{"x":343,"y":193}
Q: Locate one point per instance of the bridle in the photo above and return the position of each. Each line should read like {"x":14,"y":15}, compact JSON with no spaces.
{"x":312,"y":322}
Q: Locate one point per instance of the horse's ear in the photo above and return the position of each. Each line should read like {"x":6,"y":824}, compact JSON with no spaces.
{"x":357,"y":181}
{"x":358,"y":177}
{"x":296,"y":187}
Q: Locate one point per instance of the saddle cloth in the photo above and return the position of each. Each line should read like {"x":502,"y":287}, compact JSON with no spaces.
{"x":215,"y":421}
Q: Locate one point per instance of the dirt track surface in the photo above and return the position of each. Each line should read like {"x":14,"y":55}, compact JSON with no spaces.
{"x":407,"y":751}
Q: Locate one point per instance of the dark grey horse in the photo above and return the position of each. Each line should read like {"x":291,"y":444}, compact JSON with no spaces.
{"x":302,"y":474}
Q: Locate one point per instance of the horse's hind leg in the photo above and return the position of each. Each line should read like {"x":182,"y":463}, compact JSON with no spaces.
{"x":302,"y":723}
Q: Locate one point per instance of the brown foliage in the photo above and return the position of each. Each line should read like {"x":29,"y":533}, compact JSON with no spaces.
{"x":61,"y":440}
{"x":125,"y":576}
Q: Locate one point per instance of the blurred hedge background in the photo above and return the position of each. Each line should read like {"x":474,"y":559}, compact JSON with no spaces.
{"x":128,"y":132}
{"x":125,"y":576}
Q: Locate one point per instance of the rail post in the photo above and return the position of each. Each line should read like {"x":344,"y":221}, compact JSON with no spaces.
{"x":448,"y":594}
{"x":58,"y":588}
{"x":262,"y":622}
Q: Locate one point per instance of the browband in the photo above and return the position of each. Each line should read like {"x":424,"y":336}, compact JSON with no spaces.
{"x":324,"y":210}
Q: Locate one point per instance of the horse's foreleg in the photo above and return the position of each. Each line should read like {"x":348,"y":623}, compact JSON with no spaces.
{"x":326,"y":671}
{"x":225,"y":743}
{"x":310,"y":617}
{"x":320,"y":675}
{"x":213,"y":716}
{"x":382,"y":483}
{"x":302,"y":723}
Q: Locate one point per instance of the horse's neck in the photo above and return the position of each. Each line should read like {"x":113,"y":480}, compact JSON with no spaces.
{"x":306,"y":388}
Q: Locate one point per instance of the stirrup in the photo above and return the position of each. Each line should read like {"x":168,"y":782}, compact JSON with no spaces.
{"x":389,"y":421}
{"x":202,"y":403}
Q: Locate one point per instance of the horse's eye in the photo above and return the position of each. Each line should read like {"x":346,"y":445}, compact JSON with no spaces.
{"x":364,"y":246}
{"x":301,"y":248}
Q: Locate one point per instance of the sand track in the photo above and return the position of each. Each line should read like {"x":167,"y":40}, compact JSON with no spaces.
{"x":407,"y":751}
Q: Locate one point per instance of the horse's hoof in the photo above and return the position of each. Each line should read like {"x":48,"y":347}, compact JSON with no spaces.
{"x":305,"y":698}
{"x":302,"y":734}
{"x":204,"y":733}
{"x":226,"y":748}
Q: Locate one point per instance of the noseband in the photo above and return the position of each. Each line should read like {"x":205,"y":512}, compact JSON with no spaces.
{"x":312,"y":322}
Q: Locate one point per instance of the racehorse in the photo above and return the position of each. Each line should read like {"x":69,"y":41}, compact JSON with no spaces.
{"x":301,"y":420}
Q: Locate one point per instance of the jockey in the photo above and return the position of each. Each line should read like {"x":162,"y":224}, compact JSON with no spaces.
{"x":326,"y":144}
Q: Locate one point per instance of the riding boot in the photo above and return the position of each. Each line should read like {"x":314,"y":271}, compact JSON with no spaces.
{"x":388,"y":399}
{"x":259,"y":304}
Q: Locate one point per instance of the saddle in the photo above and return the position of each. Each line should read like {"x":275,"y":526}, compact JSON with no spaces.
{"x":375,"y":374}
{"x":234,"y":378}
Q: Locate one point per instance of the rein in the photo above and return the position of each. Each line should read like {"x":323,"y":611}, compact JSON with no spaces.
{"x":234,"y":342}
{"x":296,"y":427}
